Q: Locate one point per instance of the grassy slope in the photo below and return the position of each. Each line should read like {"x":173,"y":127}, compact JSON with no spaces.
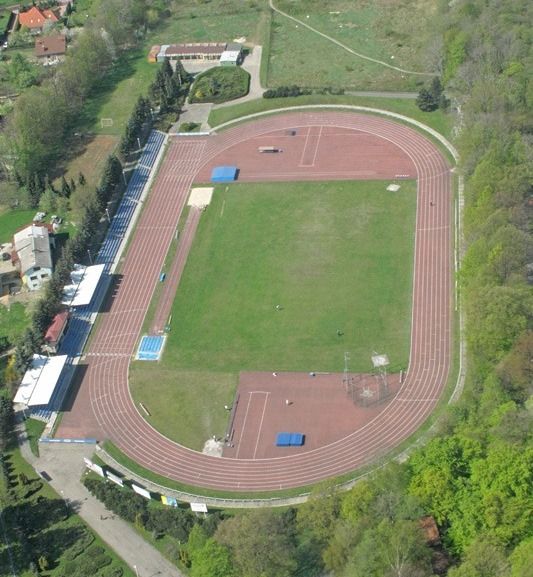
{"x":117,"y":94}
{"x":392,"y":32}
{"x":213,"y":21}
{"x":437,"y":120}
{"x":334,"y":255}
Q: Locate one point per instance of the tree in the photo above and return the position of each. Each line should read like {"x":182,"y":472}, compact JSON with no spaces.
{"x":522,"y":559}
{"x":320,"y":512}
{"x":425,"y":101}
{"x":438,"y":472}
{"x":43,"y":563}
{"x":212,"y":560}
{"x":21,"y":72}
{"x":261,"y":544}
{"x":357,"y":501}
{"x":392,"y":549}
{"x":6,"y":421}
{"x":516,"y":369}
{"x":48,"y":201}
{"x":65,"y":187}
{"x":81,"y":176}
{"x":32,"y":191}
{"x":484,"y":558}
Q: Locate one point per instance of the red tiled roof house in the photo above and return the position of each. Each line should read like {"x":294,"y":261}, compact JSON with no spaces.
{"x":35,"y":19}
{"x":50,"y":49}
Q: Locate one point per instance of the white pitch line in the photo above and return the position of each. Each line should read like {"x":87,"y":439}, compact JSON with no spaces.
{"x":261,"y":424}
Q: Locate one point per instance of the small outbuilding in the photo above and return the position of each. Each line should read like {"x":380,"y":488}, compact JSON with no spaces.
{"x":232,"y":56}
{"x":55,"y":332}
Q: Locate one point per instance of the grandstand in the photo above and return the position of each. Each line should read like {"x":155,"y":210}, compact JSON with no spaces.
{"x":84,"y":315}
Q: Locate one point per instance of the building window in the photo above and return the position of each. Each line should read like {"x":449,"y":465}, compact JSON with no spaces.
{"x":34,"y":277}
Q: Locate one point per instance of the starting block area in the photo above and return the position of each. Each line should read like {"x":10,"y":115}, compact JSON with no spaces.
{"x":290,"y":439}
{"x":150,"y":348}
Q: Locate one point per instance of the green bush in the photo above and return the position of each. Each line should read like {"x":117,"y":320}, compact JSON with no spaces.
{"x":112,"y":572}
{"x":79,"y":546}
{"x":220,"y":85}
{"x":286,"y":91}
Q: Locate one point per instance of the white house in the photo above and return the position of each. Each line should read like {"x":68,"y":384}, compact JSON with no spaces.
{"x":34,"y":255}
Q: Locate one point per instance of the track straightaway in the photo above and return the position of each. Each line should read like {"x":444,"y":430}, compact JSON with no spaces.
{"x":106,"y":378}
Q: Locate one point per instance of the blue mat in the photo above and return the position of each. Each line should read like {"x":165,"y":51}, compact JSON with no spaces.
{"x":224,"y":174}
{"x":283,"y":440}
{"x":150,"y":348}
{"x":297,"y":439}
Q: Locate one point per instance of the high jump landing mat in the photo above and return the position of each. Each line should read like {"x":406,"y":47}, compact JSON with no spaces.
{"x":224,"y":174}
{"x":150,"y":348}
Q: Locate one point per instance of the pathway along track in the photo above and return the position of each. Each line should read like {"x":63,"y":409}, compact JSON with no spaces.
{"x":113,"y":345}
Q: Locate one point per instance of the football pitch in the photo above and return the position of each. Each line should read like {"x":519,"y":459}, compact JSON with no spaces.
{"x":282,"y":277}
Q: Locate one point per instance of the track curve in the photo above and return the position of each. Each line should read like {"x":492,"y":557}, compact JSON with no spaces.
{"x":109,"y":354}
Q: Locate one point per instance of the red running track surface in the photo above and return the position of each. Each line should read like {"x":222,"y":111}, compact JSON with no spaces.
{"x":103,"y":407}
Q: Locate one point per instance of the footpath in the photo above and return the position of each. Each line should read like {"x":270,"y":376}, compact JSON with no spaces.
{"x":64,"y":464}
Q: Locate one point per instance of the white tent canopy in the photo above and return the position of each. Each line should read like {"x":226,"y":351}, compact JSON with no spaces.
{"x":85,"y":279}
{"x":40,"y":380}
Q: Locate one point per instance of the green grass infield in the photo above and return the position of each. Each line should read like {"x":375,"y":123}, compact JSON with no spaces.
{"x":335,"y":256}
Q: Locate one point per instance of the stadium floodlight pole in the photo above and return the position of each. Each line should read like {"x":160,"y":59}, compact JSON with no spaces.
{"x":136,"y":572}
{"x":107,"y":214}
{"x":90,"y":256}
{"x":124,"y":177}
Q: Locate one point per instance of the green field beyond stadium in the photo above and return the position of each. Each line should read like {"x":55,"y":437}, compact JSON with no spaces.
{"x":337,"y":259}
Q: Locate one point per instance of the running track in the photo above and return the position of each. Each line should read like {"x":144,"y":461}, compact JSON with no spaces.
{"x":105,"y":382}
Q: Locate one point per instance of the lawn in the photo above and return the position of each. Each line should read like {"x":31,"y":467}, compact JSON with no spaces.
{"x":14,"y":321}
{"x":384,"y":30}
{"x":34,"y":431}
{"x":332,"y":255}
{"x":220,"y":84}
{"x":118,"y":92}
{"x":13,"y":220}
{"x":214,"y":21}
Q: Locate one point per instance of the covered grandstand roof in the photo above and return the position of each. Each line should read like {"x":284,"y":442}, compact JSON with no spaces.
{"x":40,"y":380}
{"x":85,"y":279}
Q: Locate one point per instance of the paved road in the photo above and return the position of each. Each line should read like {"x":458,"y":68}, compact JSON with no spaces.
{"x":64,"y":464}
